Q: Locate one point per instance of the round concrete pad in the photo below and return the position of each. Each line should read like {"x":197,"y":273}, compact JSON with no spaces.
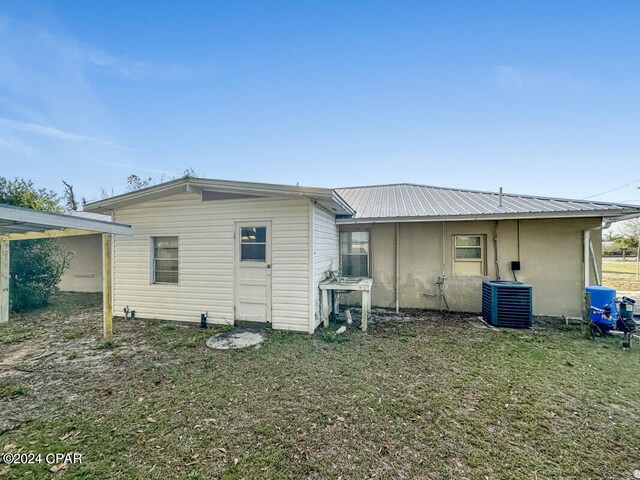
{"x":237,"y":338}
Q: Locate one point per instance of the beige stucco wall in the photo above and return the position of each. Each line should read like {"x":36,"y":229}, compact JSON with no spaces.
{"x":550,"y":254}
{"x":85,"y":271}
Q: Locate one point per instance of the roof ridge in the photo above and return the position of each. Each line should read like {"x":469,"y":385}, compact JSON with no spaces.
{"x":380,"y":185}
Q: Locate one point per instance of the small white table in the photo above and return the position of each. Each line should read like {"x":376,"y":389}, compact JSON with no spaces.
{"x":346,"y":285}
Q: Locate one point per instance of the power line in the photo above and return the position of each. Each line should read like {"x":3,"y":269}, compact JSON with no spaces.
{"x":613,"y":189}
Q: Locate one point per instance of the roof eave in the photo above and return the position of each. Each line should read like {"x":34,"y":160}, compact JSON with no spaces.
{"x":611,"y":215}
{"x":197,"y":185}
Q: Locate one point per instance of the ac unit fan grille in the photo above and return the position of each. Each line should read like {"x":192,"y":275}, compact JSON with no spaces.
{"x":507,"y":304}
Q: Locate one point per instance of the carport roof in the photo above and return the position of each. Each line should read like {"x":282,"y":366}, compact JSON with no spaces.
{"x":17,"y":223}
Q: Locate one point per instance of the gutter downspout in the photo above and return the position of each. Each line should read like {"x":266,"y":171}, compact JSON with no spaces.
{"x":397,"y":268}
{"x":495,"y":249}
{"x":587,"y":249}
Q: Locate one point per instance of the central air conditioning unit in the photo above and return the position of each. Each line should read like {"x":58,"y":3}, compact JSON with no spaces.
{"x":507,"y":304}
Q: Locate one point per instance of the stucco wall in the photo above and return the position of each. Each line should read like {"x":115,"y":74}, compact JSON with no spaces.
{"x":550,"y":252}
{"x":85,"y":271}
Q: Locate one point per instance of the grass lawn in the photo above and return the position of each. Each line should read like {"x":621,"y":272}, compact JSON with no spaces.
{"x":620,"y":275}
{"x":426,"y":396}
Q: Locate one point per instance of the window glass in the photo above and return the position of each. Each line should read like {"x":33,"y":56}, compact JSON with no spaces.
{"x":468,"y":247}
{"x":165,"y":259}
{"x":254,"y":234}
{"x":253,"y":244}
{"x":469,"y":253}
{"x":255,"y":252}
{"x":354,"y":253}
{"x":468,"y":241}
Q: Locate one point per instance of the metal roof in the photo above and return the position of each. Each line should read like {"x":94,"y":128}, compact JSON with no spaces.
{"x":383,"y":203}
{"x":410,"y":202}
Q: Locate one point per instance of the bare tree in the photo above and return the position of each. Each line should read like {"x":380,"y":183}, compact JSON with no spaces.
{"x":187,"y":172}
{"x":190,"y":172}
{"x":134,"y":182}
{"x":631,"y":228}
{"x":70,"y":197}
{"x":104,"y":193}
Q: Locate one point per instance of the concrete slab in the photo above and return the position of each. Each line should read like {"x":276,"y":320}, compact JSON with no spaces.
{"x":237,"y":338}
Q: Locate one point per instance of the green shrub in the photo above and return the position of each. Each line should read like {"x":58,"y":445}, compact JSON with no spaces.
{"x":36,"y":266}
{"x":36,"y":269}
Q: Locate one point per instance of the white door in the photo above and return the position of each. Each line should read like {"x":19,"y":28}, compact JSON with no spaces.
{"x":253,"y":271}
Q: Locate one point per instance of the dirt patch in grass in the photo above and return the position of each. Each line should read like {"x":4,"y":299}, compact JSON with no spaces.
{"x":419,"y":396}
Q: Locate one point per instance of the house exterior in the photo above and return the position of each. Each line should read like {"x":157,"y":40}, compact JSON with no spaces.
{"x":85,"y":267}
{"x":257,"y":252}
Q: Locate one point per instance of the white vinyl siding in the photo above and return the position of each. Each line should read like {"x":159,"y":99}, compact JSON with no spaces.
{"x":206,"y":232}
{"x":325,"y":253}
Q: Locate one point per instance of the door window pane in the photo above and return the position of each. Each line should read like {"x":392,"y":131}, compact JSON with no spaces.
{"x":254,"y":252}
{"x":253,"y":234}
{"x":253,"y":244}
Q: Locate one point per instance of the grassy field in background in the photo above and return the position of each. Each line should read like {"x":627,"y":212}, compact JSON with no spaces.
{"x":620,"y":275}
{"x":426,"y":396}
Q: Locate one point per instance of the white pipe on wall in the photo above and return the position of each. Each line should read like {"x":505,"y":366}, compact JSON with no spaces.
{"x":397,"y":267}
{"x":587,"y":249}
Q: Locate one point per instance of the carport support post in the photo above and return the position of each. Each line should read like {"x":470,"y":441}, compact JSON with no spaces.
{"x":106,"y":283}
{"x":4,"y":281}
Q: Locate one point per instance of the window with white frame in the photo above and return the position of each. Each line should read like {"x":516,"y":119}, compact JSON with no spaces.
{"x":469,"y":247}
{"x":165,"y":259}
{"x":354,"y":253}
{"x":469,"y":254}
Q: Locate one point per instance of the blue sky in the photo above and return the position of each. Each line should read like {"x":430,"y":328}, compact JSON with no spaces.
{"x":537,"y":97}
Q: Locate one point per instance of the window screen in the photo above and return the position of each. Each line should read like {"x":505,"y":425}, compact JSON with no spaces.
{"x":253,"y":244}
{"x":165,"y":259}
{"x":354,"y":253}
